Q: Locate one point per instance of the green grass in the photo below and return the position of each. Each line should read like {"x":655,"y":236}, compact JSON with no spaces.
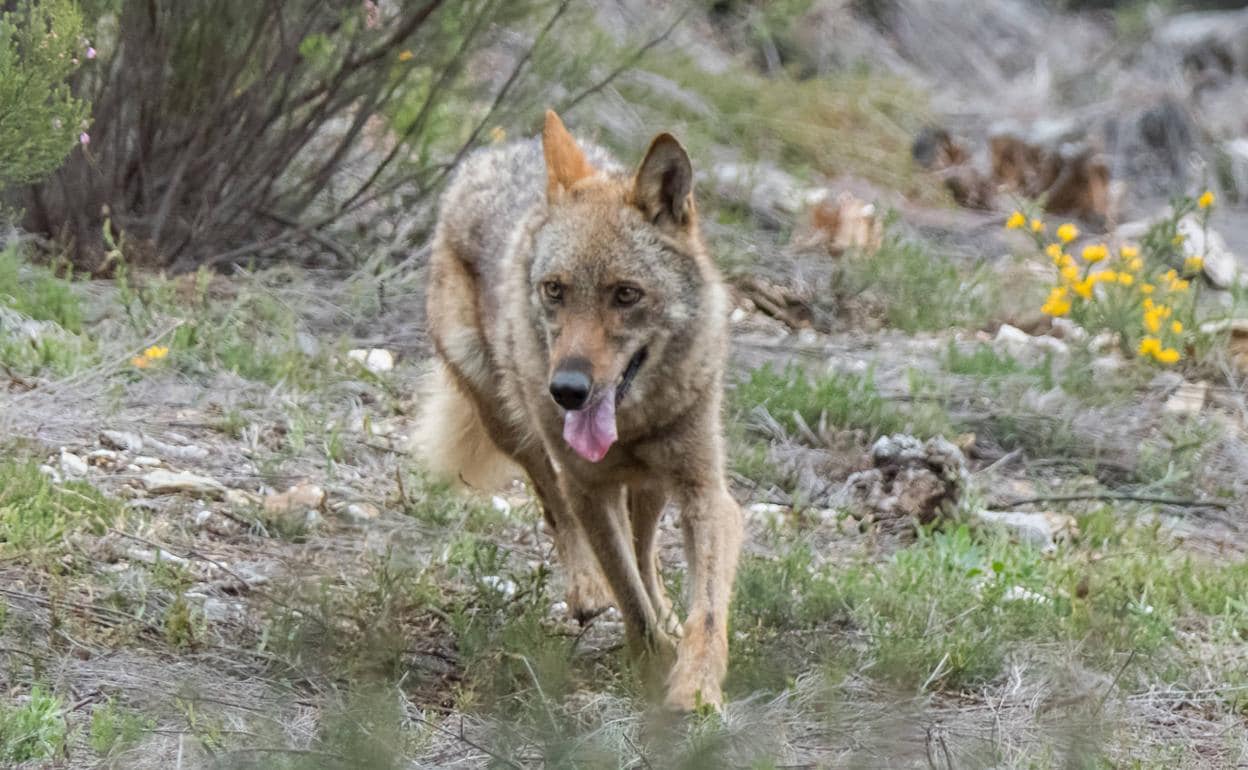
{"x":35,"y":513}
{"x":943,"y":614}
{"x":845,"y":401}
{"x":982,"y":361}
{"x":115,"y":729}
{"x":847,"y":122}
{"x":34,"y":730}
{"x":919,"y":288}
{"x":36,"y":292}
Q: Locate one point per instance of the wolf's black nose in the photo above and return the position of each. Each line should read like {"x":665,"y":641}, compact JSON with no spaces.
{"x":571,"y":384}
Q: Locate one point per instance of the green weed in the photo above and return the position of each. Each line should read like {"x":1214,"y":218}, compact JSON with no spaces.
{"x":35,"y":730}
{"x":115,"y":728}
{"x":35,"y":513}
{"x":844,"y":401}
{"x":36,"y":292}
{"x":920,"y":289}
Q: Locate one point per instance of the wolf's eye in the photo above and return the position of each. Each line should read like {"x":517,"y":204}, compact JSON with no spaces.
{"x":627,"y":295}
{"x":552,"y":290}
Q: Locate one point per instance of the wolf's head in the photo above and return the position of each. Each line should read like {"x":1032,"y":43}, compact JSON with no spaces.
{"x":615,"y":278}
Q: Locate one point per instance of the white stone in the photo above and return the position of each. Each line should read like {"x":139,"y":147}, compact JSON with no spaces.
{"x":72,"y":465}
{"x":376,"y":360}
{"x":162,"y":481}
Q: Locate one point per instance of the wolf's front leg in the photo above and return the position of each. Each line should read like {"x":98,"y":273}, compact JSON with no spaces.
{"x":606,"y":526}
{"x":712,"y":524}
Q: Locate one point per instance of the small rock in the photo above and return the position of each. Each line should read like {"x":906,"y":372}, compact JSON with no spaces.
{"x":738,"y":315}
{"x":237,"y":498}
{"x":1106,"y":366}
{"x":1166,"y":381}
{"x":362,"y":511}
{"x":1220,"y":264}
{"x":144,"y":461}
{"x":184,"y":452}
{"x":376,"y":360}
{"x":121,"y":439}
{"x":312,"y":518}
{"x":162,"y":481}
{"x":1189,"y":398}
{"x":148,"y":556}
{"x":50,"y":472}
{"x":909,"y":478}
{"x":301,"y":496}
{"x":1025,"y":348}
{"x":72,"y":465}
{"x":1043,"y":530}
{"x":504,"y":586}
{"x":102,"y":457}
{"x":501,"y":505}
{"x":1021,"y":594}
{"x":768,"y":514}
{"x":202,"y":517}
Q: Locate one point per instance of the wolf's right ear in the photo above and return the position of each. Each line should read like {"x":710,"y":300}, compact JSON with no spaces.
{"x":566,"y":164}
{"x":663,"y":188}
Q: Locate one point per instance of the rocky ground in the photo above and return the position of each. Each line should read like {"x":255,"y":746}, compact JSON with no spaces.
{"x":975,"y":539}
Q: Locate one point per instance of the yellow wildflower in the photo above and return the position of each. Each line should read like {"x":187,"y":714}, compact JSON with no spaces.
{"x":1152,"y":321}
{"x":1179,"y":285}
{"x":1177,"y":327}
{"x":1167,"y":356}
{"x":1084,"y":288}
{"x":1057,"y":304}
{"x":406,"y":56}
{"x":1126,"y":279}
{"x":497,"y":134}
{"x":1206,"y":199}
{"x":1149,"y":346}
{"x":1193,"y":264}
{"x":1067,"y":233}
{"x":1015,"y":221}
{"x":1178,"y":239}
{"x":1136,"y":264}
{"x":1070,"y":274}
{"x":1037,"y":226}
{"x":1095,"y":253}
{"x":1129,"y":252}
{"x":1110,"y":276}
{"x":154,"y":353}
{"x":1147,"y":288}
{"x":1054,"y":250}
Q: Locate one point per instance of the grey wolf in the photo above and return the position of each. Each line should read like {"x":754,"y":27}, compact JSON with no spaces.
{"x":581,"y":335}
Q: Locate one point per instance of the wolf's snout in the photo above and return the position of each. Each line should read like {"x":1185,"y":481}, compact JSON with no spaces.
{"x":571,"y":383}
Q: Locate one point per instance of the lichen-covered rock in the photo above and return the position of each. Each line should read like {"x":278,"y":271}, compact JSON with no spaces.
{"x":909,"y":478}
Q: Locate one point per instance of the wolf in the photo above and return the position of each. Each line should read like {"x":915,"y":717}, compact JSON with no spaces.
{"x":581,"y":334}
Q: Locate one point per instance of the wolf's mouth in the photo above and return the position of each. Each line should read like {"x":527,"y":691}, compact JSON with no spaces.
{"x":630,"y":372}
{"x":591,"y":430}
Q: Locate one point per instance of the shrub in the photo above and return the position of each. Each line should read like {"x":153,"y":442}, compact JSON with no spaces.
{"x":1146,"y":295}
{"x":235,"y":131}
{"x":41,"y":120}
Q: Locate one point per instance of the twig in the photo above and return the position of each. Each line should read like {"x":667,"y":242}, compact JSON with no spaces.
{"x":615,"y":73}
{"x":1177,"y":501}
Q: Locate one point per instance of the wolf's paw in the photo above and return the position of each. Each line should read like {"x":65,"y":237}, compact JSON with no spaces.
{"x":696,"y":680}
{"x":588,"y":595}
{"x":693,"y":691}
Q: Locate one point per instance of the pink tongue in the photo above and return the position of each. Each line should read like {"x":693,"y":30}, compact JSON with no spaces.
{"x":591,"y":431}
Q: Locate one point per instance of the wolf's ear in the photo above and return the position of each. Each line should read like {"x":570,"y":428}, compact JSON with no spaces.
{"x":663,"y":189}
{"x":566,"y":164}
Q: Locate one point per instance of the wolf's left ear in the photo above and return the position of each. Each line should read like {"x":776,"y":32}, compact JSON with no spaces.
{"x":663,"y":188}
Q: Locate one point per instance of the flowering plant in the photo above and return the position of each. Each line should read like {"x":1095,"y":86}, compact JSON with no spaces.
{"x":1144,"y":293}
